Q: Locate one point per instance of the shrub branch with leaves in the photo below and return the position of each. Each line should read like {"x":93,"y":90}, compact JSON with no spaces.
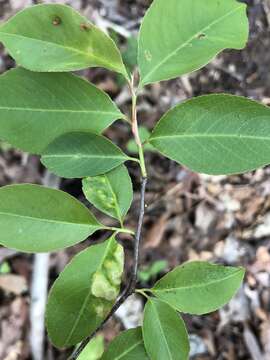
{"x":47,"y":111}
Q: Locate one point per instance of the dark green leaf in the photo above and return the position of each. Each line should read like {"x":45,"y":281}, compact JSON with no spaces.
{"x":111,"y":193}
{"x":127,"y":346}
{"x":180,"y":36}
{"x":54,"y":37}
{"x":32,"y":104}
{"x":199,"y":287}
{"x":38,"y":219}
{"x":216,"y":134}
{"x":84,"y":293}
{"x":164,"y":332}
{"x":81,"y":154}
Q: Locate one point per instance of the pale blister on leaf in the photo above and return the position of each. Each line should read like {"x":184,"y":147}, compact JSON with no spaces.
{"x":127,"y":346}
{"x":199,"y":287}
{"x":181,"y":36}
{"x":31,"y":104}
{"x":58,"y":39}
{"x":81,"y":154}
{"x":34,"y":218}
{"x":164,"y":332}
{"x":111,"y":193}
{"x":216,"y":134}
{"x":93,"y":350}
{"x":84,"y":293}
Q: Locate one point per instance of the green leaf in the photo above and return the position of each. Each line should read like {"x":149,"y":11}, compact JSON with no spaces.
{"x":81,"y":154}
{"x":111,"y":193}
{"x":58,"y":39}
{"x":34,"y":218}
{"x":84,"y":293}
{"x":181,"y":36}
{"x":164,"y":332}
{"x":93,"y":350}
{"x":31,"y":104}
{"x":127,"y":346}
{"x":216,"y":134}
{"x":152,"y":271}
{"x":144,"y":135}
{"x":199,"y":287}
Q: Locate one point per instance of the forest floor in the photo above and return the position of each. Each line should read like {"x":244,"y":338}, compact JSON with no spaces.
{"x":189,"y":216}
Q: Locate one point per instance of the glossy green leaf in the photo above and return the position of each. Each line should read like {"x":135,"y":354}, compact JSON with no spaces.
{"x":181,"y":36}
{"x":93,"y":350}
{"x":84,"y":293}
{"x":164,"y":332}
{"x":216,"y":134}
{"x":127,"y":346}
{"x":81,"y":154}
{"x":199,"y":287}
{"x":111,"y":193}
{"x":34,"y":218}
{"x":56,"y":38}
{"x":35,"y":108}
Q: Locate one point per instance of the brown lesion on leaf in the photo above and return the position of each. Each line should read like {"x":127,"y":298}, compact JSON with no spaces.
{"x":201,"y":36}
{"x":56,"y":20}
{"x":85,"y":27}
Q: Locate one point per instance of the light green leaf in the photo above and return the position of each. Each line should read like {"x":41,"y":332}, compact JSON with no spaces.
{"x":164,"y":332}
{"x":93,"y":350}
{"x":58,"y":39}
{"x":34,"y":218}
{"x":144,"y":136}
{"x":111,"y":193}
{"x":199,"y":287}
{"x":181,"y":36}
{"x":84,"y":293}
{"x":81,"y":154}
{"x":216,"y":134}
{"x":127,"y":346}
{"x":36,"y":108}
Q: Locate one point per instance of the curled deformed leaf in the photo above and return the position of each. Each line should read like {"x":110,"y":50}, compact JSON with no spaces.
{"x":111,"y":193}
{"x":84,"y":293}
{"x":54,"y":37}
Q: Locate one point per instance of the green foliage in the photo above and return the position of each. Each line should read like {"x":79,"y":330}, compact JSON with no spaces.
{"x":199,"y":287}
{"x":61,"y":117}
{"x":84,"y":293}
{"x":178,"y":37}
{"x":215,"y":134}
{"x":93,"y":350}
{"x":106,"y":193}
{"x":164,"y":332}
{"x":38,"y":219}
{"x":63,"y":99}
{"x":127,"y":346}
{"x":81,"y":154}
{"x":57,"y":38}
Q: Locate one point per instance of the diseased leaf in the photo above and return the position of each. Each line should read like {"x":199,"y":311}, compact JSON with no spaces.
{"x":216,"y":134}
{"x":127,"y":346}
{"x":181,"y":36}
{"x":199,"y":287}
{"x":34,"y":218}
{"x":81,"y":154}
{"x":111,"y":193}
{"x":58,"y":39}
{"x":84,"y":293}
{"x":93,"y":350}
{"x":164,"y":332}
{"x":36,"y":108}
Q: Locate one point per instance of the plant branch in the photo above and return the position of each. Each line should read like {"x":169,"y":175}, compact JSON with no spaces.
{"x":131,"y":287}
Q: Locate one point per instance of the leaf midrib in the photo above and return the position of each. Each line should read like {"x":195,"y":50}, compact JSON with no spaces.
{"x":187,"y":42}
{"x":205,"y":135}
{"x":83,"y":156}
{"x":129,"y":350}
{"x":197,"y":285}
{"x":46,"y":220}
